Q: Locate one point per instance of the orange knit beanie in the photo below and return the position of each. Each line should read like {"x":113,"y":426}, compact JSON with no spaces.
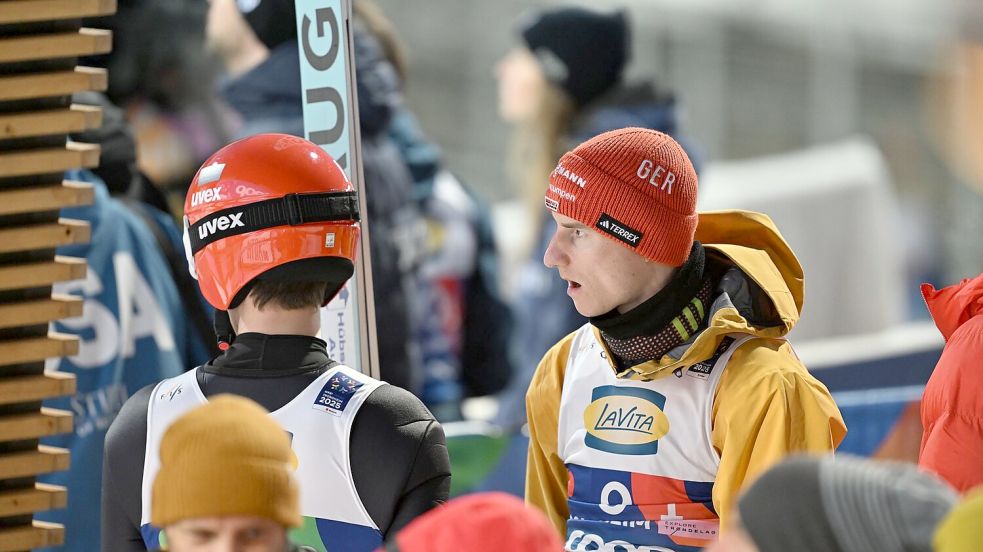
{"x":635,"y":186}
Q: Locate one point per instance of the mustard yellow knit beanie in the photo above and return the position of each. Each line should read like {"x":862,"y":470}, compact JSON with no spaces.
{"x":227,"y":457}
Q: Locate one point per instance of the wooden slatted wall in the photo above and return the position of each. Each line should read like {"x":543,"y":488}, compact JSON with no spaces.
{"x":40,"y":43}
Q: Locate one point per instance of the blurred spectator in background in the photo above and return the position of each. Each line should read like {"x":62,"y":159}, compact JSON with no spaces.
{"x":841,"y":504}
{"x":119,"y":170}
{"x":226,"y":482}
{"x":158,"y":76}
{"x":961,"y":530}
{"x":953,"y":109}
{"x":952,"y":406}
{"x":561,"y":85}
{"x":478,"y":523}
{"x":143,"y":319}
{"x":134,"y":331}
{"x":257,"y":43}
{"x":462,"y":323}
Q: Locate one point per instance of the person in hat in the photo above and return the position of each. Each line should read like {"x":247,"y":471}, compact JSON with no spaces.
{"x":562,"y":83}
{"x":225,"y":480}
{"x":271,"y":233}
{"x":258,"y":44}
{"x":841,"y":504}
{"x":645,"y":423}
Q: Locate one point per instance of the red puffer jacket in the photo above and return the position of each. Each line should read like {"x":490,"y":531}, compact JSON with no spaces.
{"x":952,"y":407}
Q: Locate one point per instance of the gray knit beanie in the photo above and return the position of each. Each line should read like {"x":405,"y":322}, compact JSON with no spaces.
{"x":844,"y":504}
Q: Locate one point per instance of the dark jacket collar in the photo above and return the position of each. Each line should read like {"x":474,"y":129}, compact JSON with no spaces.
{"x":266,"y":355}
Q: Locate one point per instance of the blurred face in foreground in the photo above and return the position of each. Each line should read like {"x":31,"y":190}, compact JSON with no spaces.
{"x":521,"y":83}
{"x":226,"y":534}
{"x":601,"y":275}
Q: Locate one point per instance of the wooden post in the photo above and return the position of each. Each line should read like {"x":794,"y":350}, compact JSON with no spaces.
{"x":40,"y":42}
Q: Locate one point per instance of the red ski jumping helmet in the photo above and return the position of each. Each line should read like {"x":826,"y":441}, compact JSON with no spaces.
{"x":272,"y":207}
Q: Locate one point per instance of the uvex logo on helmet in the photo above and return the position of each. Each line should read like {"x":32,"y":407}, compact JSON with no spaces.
{"x":206,"y":196}
{"x":220,"y":224}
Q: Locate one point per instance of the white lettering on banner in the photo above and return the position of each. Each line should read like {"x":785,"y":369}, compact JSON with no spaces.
{"x":563,"y":193}
{"x":324,"y":43}
{"x":101,"y":336}
{"x":206,"y":196}
{"x":222,"y":223}
{"x":97,"y":328}
{"x":96,"y":410}
{"x":326,"y":19}
{"x":657,"y":175}
{"x":139,"y":313}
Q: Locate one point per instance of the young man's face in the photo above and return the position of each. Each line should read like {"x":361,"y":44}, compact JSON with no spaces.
{"x":226,"y":534}
{"x":601,"y":275}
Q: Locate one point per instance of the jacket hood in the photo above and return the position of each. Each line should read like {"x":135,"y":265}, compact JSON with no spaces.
{"x":760,"y":290}
{"x":952,"y":306}
{"x":639,"y":104}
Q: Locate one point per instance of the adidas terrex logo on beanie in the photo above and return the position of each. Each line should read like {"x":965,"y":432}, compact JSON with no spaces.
{"x":634,"y":185}
{"x":618,"y":230}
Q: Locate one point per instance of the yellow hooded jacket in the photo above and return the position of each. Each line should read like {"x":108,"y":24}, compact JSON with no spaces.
{"x":766,"y":405}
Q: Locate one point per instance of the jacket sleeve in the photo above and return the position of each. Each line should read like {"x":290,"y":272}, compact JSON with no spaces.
{"x":122,"y":476}
{"x":546,"y":476}
{"x":767,"y":406}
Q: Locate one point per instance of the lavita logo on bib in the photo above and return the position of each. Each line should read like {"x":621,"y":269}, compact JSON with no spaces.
{"x":625,"y":420}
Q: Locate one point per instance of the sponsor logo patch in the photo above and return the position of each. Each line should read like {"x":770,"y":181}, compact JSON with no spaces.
{"x":700,"y":371}
{"x":206,"y":196}
{"x":171,"y":393}
{"x":625,"y":420}
{"x":619,"y":230}
{"x":336,"y":393}
{"x":703,"y":369}
{"x":211,"y":173}
{"x":563,"y":194}
{"x":552,"y":204}
{"x":692,"y":528}
{"x":560,"y":170}
{"x":220,"y":224}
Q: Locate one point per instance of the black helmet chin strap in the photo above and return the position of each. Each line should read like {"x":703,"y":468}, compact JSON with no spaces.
{"x":223,"y":330}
